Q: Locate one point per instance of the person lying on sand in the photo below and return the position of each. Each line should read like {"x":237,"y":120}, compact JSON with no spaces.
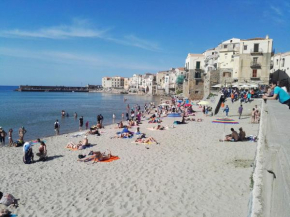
{"x":123,"y":135}
{"x":97,"y":156}
{"x":146,"y":140}
{"x":81,"y":144}
{"x":233,"y":137}
{"x":199,"y":120}
{"x":93,"y":132}
{"x":159,"y":127}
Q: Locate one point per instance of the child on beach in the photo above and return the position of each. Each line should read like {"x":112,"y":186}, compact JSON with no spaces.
{"x":87,"y":125}
{"x":227,"y":109}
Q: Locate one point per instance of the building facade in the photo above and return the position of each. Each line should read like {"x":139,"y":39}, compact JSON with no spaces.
{"x":281,"y":61}
{"x":255,"y":59}
{"x":193,"y":86}
{"x":106,"y":82}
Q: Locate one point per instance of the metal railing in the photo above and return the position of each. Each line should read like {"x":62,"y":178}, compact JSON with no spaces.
{"x":255,"y":64}
{"x":256,"y":51}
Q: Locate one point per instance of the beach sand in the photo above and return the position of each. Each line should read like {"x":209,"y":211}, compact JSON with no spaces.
{"x":190,"y":173}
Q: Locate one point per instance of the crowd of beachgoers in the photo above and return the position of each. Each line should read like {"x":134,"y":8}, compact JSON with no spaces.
{"x":180,"y":111}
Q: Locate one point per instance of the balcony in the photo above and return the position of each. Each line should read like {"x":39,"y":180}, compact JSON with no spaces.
{"x":255,"y":78}
{"x":255,"y":65}
{"x":256,"y":51}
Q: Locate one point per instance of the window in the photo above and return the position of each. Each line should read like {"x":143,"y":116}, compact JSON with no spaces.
{"x":256,"y":48}
{"x":231,"y":40}
{"x":245,"y":47}
{"x":277,"y":61}
{"x":255,"y":60}
{"x":225,"y":46}
{"x":283,"y":62}
{"x":197,"y":66}
{"x":212,"y":53}
{"x":196,"y":92}
{"x":254,"y":73}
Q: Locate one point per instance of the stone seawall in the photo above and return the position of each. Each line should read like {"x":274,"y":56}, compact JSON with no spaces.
{"x":271,"y":190}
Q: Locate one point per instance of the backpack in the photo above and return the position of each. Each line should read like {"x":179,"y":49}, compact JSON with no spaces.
{"x":55,"y":125}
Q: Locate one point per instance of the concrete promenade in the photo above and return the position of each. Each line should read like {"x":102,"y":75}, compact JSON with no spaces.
{"x":271,"y":193}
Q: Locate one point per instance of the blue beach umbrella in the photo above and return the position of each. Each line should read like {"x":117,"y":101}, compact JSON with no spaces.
{"x":174,"y":115}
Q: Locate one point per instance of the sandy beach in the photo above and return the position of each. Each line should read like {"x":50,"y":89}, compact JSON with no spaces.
{"x":190,"y":173}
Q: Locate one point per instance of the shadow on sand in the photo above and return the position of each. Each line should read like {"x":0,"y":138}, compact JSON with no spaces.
{"x":53,"y":157}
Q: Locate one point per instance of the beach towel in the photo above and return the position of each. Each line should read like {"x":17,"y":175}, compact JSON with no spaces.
{"x":113,"y":158}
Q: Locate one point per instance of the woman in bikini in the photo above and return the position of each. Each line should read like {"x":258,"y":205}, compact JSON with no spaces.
{"x":98,"y":156}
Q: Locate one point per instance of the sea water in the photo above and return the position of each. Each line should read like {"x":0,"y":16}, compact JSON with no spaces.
{"x":37,"y":111}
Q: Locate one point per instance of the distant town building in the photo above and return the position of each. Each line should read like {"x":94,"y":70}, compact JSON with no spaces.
{"x":193,"y":87}
{"x":255,"y":58}
{"x":281,"y":61}
{"x":114,"y":82}
{"x":106,"y":82}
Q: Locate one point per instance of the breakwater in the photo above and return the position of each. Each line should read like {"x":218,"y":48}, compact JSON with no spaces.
{"x":29,"y":88}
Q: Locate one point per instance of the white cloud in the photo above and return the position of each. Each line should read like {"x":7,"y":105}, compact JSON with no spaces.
{"x":84,"y":60}
{"x":80,"y":29}
{"x":277,"y":10}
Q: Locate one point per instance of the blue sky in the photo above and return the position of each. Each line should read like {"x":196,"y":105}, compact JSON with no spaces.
{"x":77,"y":42}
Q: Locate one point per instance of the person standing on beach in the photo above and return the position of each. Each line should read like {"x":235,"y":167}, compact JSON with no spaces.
{"x":3,"y":134}
{"x":114,"y":116}
{"x":232,"y":97}
{"x":253,"y":116}
{"x":76,"y":115}
{"x":240,"y":111}
{"x":21,"y":133}
{"x":87,"y":125}
{"x":249,"y":95}
{"x":10,"y":137}
{"x":81,"y":122}
{"x":127,"y":116}
{"x":56,"y":127}
{"x":122,"y":116}
{"x":98,"y":119}
{"x":227,"y":109}
{"x":101,"y":119}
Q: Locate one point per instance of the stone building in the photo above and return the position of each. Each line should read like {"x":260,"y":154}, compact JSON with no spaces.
{"x":193,"y":86}
{"x":255,"y":59}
